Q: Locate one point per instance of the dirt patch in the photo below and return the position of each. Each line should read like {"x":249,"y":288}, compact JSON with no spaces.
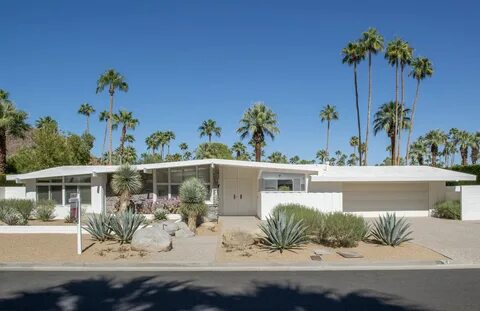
{"x":371,"y":252}
{"x":62,"y":248}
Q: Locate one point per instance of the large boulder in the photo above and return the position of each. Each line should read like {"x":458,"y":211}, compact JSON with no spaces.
{"x":183,"y":231}
{"x":152,"y":239}
{"x":168,"y":226}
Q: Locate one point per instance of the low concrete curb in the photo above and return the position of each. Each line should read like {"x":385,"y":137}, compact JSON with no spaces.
{"x":39,"y":229}
{"x":424,"y":265}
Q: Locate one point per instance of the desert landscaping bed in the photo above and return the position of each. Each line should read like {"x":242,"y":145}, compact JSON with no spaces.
{"x":371,"y":252}
{"x":36,"y":222}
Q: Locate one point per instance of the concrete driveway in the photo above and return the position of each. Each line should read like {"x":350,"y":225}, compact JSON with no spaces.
{"x":459,"y":240}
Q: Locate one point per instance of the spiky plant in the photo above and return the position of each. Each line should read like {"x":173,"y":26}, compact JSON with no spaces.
{"x":390,"y":230}
{"x":283,"y":233}
{"x":192,"y":196}
{"x":125,"y":182}
{"x":98,"y":225}
{"x":125,"y":224}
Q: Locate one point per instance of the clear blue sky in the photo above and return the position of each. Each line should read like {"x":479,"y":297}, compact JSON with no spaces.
{"x":187,"y":61}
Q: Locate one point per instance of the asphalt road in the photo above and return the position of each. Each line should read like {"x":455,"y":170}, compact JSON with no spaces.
{"x":333,"y":290}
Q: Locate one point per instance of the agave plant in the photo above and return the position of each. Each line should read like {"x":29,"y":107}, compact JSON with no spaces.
{"x":98,"y":225}
{"x":390,"y":230}
{"x":125,"y":224}
{"x":283,"y":233}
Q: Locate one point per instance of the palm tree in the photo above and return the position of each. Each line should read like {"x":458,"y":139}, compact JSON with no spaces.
{"x":183,"y":146}
{"x":103,"y":117}
{"x":169,"y":136}
{"x":354,"y":143}
{"x":449,"y":149}
{"x":162,"y":140}
{"x":294,"y":160}
{"x":434,"y":139}
{"x":209,"y":128}
{"x":418,"y":151}
{"x":352,"y":160}
{"x":46,"y":121}
{"x":86,"y":109}
{"x":151,"y":143}
{"x":421,"y":69}
{"x":114,"y":81}
{"x":126,"y":181}
{"x":474,"y":145}
{"x":353,"y":54}
{"x":405,"y":59}
{"x":258,"y":121}
{"x":464,"y":141}
{"x":393,"y":54}
{"x":373,"y":43}
{"x":126,"y":119}
{"x":385,"y":119}
{"x":329,"y":114}
{"x":277,"y":157}
{"x":322,"y":156}
{"x":12,"y":123}
{"x":239,"y":150}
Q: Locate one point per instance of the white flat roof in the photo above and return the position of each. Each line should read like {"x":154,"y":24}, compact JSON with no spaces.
{"x":91,"y":169}
{"x":388,"y":173}
{"x":318,"y":172}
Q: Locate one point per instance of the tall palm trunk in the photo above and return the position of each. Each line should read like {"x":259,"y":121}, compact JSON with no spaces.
{"x":258,"y":147}
{"x":122,"y":142}
{"x":168,"y":149}
{"x":328,"y":135}
{"x":392,"y":146}
{"x":474,"y":155}
{"x":209,"y":138}
{"x":394,"y":153}
{"x":110,"y":125}
{"x":162,"y":148}
{"x":410,"y":130}
{"x":358,"y":114}
{"x":369,"y":105}
{"x":434,"y":150}
{"x":3,"y":151}
{"x":402,"y":103}
{"x":464,"y":155}
{"x":88,"y":125}
{"x":105,"y":138}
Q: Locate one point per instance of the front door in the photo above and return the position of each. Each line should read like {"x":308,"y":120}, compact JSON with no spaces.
{"x":238,"y":193}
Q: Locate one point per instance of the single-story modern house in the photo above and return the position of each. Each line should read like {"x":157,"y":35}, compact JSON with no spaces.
{"x":255,"y":188}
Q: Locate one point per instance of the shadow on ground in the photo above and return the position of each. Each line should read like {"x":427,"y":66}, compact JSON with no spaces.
{"x":147,"y":293}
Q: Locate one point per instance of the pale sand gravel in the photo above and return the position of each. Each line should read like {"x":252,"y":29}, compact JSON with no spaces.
{"x":371,"y":252}
{"x":61,"y":248}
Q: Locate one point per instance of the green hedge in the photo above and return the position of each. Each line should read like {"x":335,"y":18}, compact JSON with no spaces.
{"x":468,"y":169}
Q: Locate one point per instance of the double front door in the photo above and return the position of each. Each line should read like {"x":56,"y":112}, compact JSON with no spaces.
{"x":238,"y":194}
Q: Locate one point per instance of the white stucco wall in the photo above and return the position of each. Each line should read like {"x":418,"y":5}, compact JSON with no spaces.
{"x":12,"y":192}
{"x":470,"y":200}
{"x":99,"y":183}
{"x":325,"y":202}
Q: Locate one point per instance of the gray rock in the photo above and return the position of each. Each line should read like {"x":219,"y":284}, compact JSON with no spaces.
{"x":168,"y":226}
{"x":321,"y":251}
{"x":182,"y":225}
{"x":152,"y":239}
{"x":349,"y":254}
{"x":184,"y":233}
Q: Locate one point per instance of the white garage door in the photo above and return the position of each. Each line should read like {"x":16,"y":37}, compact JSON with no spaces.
{"x":380,"y":197}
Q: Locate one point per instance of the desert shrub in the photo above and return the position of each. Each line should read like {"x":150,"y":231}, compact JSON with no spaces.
{"x":342,"y":230}
{"x":390,"y":230}
{"x":160,"y":214}
{"x":448,"y":209}
{"x":312,"y":218}
{"x":282,"y":232}
{"x":69,"y":219}
{"x":21,"y":207}
{"x":98,"y":225}
{"x":192,"y":197}
{"x":125,"y":224}
{"x":12,"y":219}
{"x":5,"y":209}
{"x":45,"y":210}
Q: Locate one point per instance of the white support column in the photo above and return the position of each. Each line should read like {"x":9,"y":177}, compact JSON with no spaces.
{"x":63,"y":191}
{"x":154,"y":177}
{"x":169,"y":185}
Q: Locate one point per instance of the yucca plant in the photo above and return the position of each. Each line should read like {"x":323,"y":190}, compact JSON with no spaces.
{"x":192,"y":197}
{"x":125,"y":224}
{"x":283,"y":233}
{"x":125,"y":182}
{"x":390,"y":230}
{"x":98,"y":225}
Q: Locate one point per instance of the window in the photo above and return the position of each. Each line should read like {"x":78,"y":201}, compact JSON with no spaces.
{"x":68,"y":191}
{"x":56,"y":194}
{"x":282,"y":182}
{"x":77,"y":179}
{"x":85,"y":195}
{"x":42,"y":193}
{"x":170,"y":186}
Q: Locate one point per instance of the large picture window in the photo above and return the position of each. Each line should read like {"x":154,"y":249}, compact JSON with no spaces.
{"x":60,"y":189}
{"x":170,"y":179}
